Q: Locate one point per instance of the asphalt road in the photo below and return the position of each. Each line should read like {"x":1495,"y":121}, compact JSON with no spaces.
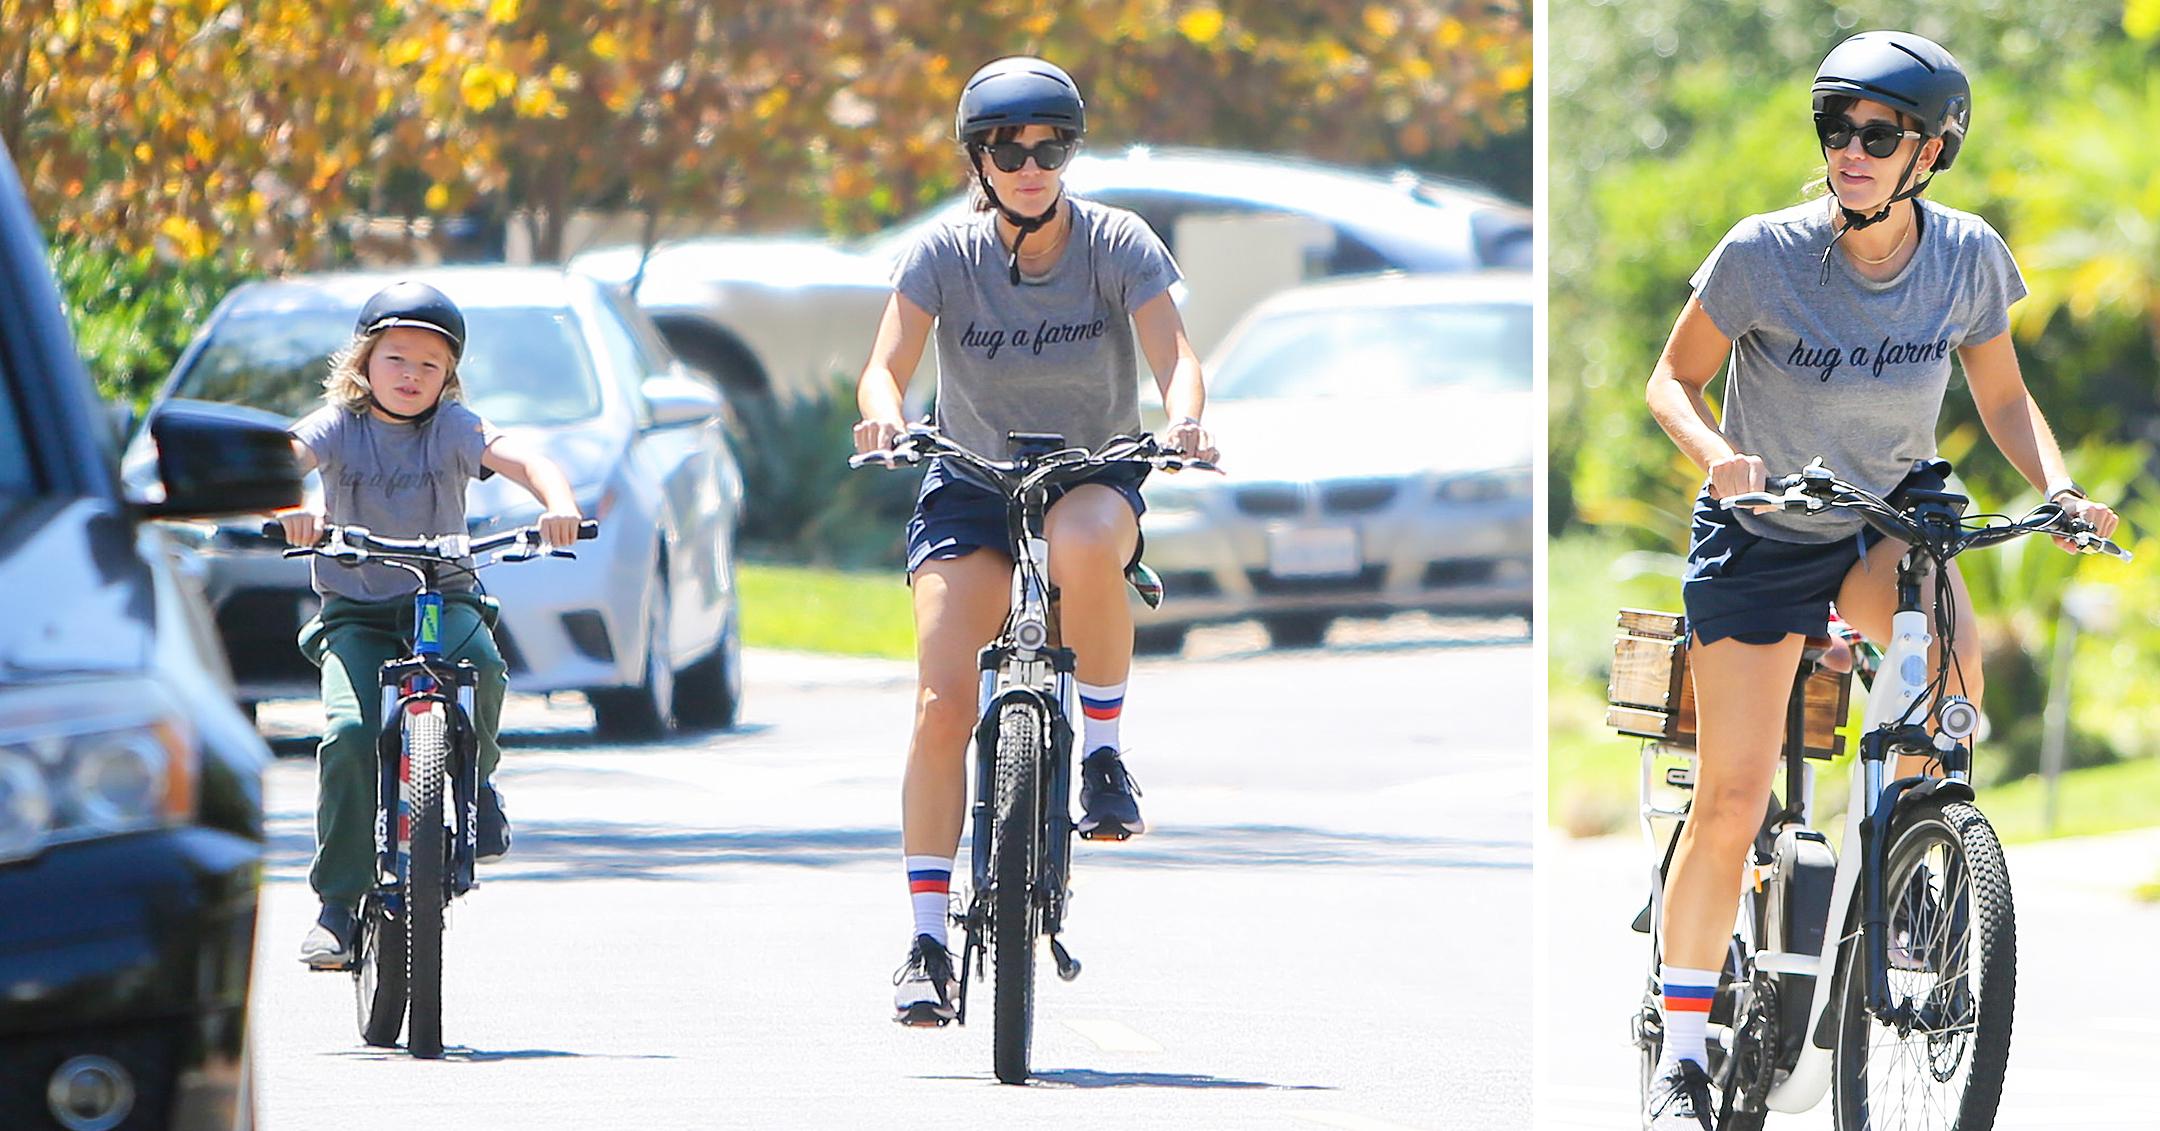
{"x":2085,"y":1038}
{"x":1331,"y":926}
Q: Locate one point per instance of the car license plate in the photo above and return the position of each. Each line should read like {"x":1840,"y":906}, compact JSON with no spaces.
{"x":1324,"y":552}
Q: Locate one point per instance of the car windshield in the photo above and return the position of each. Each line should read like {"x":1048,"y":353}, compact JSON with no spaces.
{"x":525,"y":365}
{"x":1379,"y":352}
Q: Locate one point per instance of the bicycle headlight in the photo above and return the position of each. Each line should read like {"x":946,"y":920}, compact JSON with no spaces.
{"x":90,"y":759}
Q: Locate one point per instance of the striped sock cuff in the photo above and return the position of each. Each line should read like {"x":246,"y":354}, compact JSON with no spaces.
{"x":1687,"y":991}
{"x":1102,"y":702}
{"x":929,"y":874}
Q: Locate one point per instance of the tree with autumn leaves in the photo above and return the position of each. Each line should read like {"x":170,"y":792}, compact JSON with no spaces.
{"x":219,"y":127}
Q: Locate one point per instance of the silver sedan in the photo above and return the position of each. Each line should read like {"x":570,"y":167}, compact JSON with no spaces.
{"x":1377,"y":440}
{"x":644,"y":622}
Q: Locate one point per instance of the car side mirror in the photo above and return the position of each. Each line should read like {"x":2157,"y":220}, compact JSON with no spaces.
{"x":218,"y":459}
{"x":676,"y":399}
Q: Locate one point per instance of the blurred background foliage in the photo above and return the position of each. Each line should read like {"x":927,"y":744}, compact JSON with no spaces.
{"x":1671,"y":120}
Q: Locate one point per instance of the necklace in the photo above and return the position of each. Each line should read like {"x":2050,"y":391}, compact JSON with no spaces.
{"x":1894,"y":249}
{"x":1032,"y":255}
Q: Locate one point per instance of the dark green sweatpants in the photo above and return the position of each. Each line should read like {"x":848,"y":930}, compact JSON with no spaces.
{"x":350,"y":641}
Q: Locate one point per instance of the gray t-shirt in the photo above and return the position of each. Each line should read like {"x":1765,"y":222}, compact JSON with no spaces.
{"x":1054,"y":354}
{"x":1852,"y":370}
{"x":399,"y":481}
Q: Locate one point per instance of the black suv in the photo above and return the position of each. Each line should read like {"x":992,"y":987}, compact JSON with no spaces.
{"x":130,"y":784}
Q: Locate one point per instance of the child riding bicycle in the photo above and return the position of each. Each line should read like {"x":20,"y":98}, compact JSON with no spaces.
{"x":396,"y":446}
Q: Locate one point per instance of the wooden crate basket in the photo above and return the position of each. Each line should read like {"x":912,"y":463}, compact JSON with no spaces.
{"x":1651,"y":695}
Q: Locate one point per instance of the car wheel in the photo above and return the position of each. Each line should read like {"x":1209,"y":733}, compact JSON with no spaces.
{"x":709,"y":693}
{"x":644,"y":711}
{"x":1304,"y":630}
{"x":1159,"y":639}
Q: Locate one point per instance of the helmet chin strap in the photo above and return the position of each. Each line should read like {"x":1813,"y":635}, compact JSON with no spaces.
{"x":1854,"y":221}
{"x":1027,"y":225}
{"x":421,"y":417}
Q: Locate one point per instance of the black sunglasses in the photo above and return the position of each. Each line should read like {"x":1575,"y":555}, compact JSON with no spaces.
{"x":1008,"y":156}
{"x":1877,"y":139}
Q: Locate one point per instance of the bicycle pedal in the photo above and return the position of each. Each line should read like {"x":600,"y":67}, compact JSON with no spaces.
{"x":1106,"y":831}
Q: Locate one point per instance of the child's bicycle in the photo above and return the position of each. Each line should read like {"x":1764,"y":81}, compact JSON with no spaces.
{"x":424,"y":848}
{"x":1021,"y":852}
{"x":1888,"y":967}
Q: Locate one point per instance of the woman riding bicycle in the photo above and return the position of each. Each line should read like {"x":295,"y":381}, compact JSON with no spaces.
{"x":1839,"y":316}
{"x":397,"y":446}
{"x":1029,"y":298}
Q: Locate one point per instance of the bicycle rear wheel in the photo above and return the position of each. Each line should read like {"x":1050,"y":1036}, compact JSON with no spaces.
{"x":1014,"y":922}
{"x":428,"y":739}
{"x":1953,"y":966}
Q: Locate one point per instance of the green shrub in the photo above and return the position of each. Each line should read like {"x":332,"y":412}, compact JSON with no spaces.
{"x":134,"y":314}
{"x":803,"y":503}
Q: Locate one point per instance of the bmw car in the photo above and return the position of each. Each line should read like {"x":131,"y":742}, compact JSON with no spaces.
{"x":644,"y":621}
{"x":1377,"y":439}
{"x":131,"y":809}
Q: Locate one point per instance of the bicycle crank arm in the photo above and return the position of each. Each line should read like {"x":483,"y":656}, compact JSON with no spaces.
{"x":1068,"y":967}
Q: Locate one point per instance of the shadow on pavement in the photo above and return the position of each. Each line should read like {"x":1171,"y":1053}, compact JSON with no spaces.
{"x":484,"y":1056}
{"x":287,"y":745}
{"x":581,"y":850}
{"x":1090,"y":1078}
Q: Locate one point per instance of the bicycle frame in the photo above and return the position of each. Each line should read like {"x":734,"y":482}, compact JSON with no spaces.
{"x":411,"y":685}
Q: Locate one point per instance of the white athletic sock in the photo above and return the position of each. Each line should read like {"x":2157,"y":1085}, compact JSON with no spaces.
{"x":1687,"y":1011}
{"x":1102,"y":708}
{"x":930,"y":889}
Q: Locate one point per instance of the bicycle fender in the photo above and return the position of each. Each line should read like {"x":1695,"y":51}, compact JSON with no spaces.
{"x":1945,"y":788}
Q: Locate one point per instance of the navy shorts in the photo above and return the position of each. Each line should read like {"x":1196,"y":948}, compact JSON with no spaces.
{"x":1756,"y":589}
{"x":955,"y":517}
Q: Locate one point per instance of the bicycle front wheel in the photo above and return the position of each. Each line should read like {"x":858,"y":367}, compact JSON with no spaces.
{"x":1953,"y":977}
{"x":428,"y":742}
{"x":1014,"y":923}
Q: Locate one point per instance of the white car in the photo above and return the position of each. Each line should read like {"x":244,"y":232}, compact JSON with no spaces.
{"x":787,"y":315}
{"x":1377,"y":438}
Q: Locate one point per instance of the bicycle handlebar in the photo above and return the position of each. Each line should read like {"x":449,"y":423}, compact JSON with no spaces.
{"x":352,"y":545}
{"x":1816,"y":489}
{"x":922,"y":441}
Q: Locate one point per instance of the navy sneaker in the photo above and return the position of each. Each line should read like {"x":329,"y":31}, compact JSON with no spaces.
{"x":1679,"y":1100}
{"x":491,"y":839}
{"x":925,"y":985}
{"x":329,"y":943}
{"x":1108,"y":809}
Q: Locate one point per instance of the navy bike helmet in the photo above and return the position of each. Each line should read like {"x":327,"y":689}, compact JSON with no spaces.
{"x":1911,"y":74}
{"x":1017,"y":91}
{"x":417,"y":305}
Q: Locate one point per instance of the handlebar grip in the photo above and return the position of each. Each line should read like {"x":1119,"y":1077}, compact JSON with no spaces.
{"x":1779,"y":484}
{"x":588,"y":530}
{"x":273,"y":529}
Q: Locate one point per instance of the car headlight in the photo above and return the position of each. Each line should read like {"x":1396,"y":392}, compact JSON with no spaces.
{"x":90,"y":759}
{"x":1485,"y":487}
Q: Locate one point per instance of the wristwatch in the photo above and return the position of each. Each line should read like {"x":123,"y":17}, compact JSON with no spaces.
{"x":2064,"y":487}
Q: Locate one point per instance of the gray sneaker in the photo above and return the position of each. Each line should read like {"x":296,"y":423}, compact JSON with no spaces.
{"x":925,"y":987}
{"x":1679,"y":1100}
{"x":329,"y":943}
{"x":1108,"y":806}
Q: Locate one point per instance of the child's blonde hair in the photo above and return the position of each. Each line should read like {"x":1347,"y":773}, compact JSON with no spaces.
{"x":347,"y":387}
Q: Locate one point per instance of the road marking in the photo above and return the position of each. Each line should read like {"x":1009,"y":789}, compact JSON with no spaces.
{"x":1351,"y":1122}
{"x":1113,"y":1036}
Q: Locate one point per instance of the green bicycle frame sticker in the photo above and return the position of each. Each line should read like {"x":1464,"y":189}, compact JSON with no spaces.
{"x":431,"y":621}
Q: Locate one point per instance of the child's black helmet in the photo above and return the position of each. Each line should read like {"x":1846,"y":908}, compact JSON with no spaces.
{"x":1019,"y":91}
{"x":1907,"y":73}
{"x":417,"y":305}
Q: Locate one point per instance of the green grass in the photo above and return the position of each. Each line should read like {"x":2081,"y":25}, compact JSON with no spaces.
{"x":2098,"y":799}
{"x":822,"y":610}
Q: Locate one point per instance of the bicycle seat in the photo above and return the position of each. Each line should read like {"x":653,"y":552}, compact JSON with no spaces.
{"x":1146,"y":583}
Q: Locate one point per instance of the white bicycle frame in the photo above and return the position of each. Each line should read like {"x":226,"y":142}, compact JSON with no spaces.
{"x":1900,"y":681}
